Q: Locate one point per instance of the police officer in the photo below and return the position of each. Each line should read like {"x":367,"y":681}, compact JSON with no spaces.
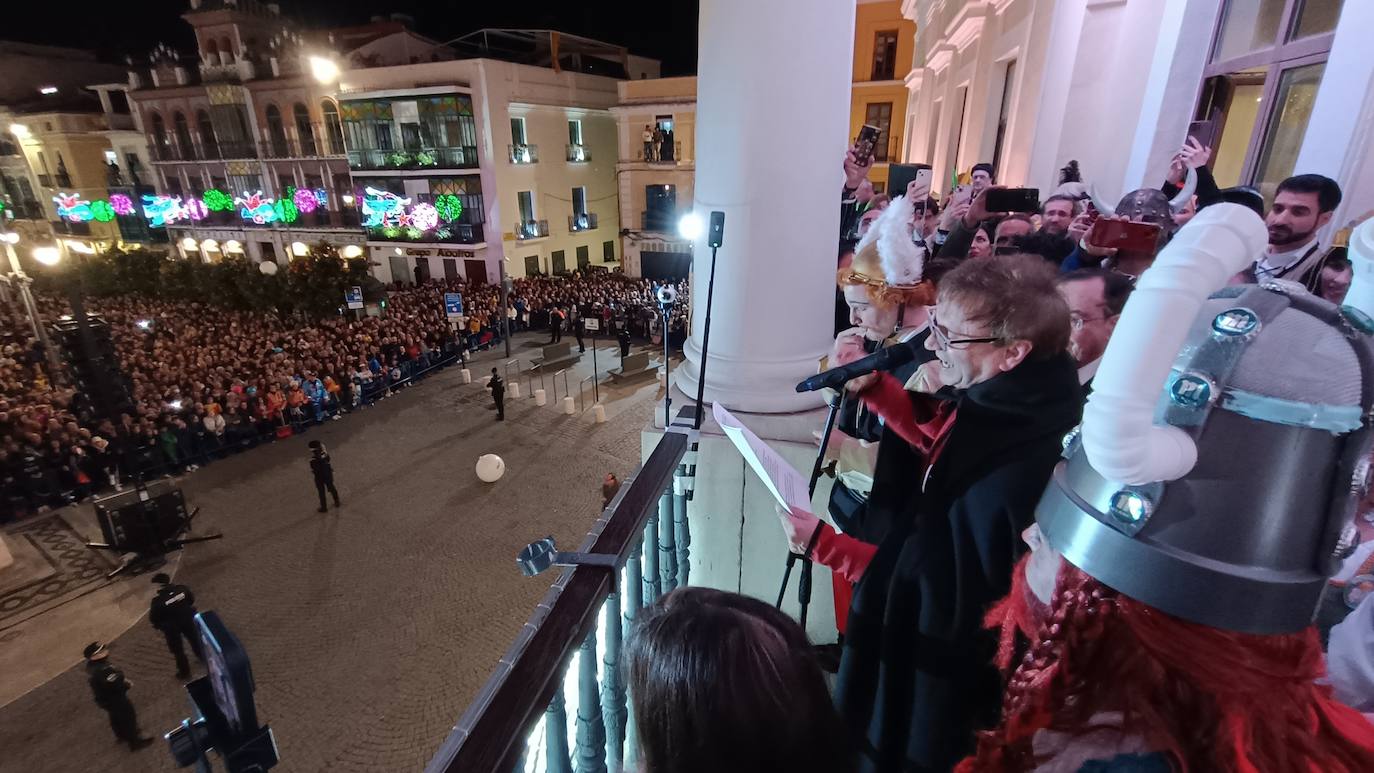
{"x":498,"y":394}
{"x":324,"y":474}
{"x":173,"y":612}
{"x":111,"y":692}
{"x":623,"y":338}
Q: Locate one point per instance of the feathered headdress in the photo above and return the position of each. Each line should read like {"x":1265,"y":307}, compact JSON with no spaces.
{"x":888,"y":260}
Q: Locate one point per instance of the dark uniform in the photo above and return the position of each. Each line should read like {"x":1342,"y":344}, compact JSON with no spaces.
{"x":173,"y":612}
{"x":324,"y":476}
{"x":498,"y":394}
{"x":111,"y":692}
{"x":580,"y":330}
{"x":623,"y":338}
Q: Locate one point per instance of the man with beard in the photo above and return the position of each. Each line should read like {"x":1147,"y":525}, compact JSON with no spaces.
{"x":1302,"y":205}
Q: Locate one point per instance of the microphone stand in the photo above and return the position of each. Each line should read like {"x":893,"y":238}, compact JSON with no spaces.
{"x":804,"y":581}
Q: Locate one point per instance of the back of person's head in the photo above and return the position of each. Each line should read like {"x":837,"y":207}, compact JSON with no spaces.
{"x":722,"y":682}
{"x":1015,"y":297}
{"x":1327,"y":190}
{"x":1052,"y":247}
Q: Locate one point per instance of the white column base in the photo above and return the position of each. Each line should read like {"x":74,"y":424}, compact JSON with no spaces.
{"x":754,"y":385}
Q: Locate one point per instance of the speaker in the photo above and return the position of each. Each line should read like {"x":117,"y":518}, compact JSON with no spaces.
{"x":715,"y":234}
{"x":142,"y":520}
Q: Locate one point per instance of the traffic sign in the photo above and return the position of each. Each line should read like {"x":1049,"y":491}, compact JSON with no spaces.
{"x":353,"y":296}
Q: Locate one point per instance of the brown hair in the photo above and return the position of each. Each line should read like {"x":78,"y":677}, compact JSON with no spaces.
{"x":725,"y":683}
{"x":1015,"y":296}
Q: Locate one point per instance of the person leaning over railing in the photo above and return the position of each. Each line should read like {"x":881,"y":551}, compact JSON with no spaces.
{"x":725,"y":683}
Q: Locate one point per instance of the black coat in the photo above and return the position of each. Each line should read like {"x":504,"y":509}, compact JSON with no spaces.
{"x":916,"y":678}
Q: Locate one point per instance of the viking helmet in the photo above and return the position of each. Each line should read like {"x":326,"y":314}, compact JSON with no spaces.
{"x":1148,"y":205}
{"x":1225,"y":445}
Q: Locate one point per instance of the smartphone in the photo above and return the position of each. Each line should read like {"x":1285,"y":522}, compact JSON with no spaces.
{"x":1203,"y":133}
{"x":1012,"y":200}
{"x":899,"y":176}
{"x":1124,"y":235}
{"x":864,"y":145}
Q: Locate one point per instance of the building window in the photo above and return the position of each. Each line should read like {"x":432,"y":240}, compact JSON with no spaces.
{"x":305,"y":132}
{"x":207,"y":134}
{"x":574,"y":132}
{"x":517,"y":131}
{"x":276,"y":131}
{"x":532,"y":267}
{"x":879,"y":114}
{"x":579,"y":200}
{"x":1267,"y":62}
{"x":332,"y":127}
{"x":159,"y":136}
{"x":608,"y":252}
{"x":1003,"y":114}
{"x":584,"y":257}
{"x":884,"y":56}
{"x":956,"y":137}
{"x":560,"y":261}
{"x":183,"y":132}
{"x":526,"y":203}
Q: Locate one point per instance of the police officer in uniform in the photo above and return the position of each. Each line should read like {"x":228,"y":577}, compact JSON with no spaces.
{"x":623,"y":338}
{"x":498,"y":394}
{"x":173,"y":612}
{"x":111,"y":692}
{"x":324,"y":474}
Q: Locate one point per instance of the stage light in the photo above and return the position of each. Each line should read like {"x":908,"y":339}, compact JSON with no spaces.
{"x":324,"y":69}
{"x":690,"y":226}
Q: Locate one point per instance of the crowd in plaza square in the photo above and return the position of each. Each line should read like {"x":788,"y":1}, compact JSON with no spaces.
{"x":206,"y":381}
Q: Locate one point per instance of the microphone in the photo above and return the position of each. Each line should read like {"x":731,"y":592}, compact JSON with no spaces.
{"x":883,"y":359}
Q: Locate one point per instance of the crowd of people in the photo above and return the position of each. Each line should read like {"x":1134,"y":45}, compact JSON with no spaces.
{"x":207,"y":381}
{"x":1018,"y":588}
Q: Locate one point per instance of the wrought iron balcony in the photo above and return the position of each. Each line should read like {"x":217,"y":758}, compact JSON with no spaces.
{"x":449,"y":233}
{"x":584,"y":221}
{"x":531,"y":229}
{"x":578,"y":154}
{"x":312,"y":144}
{"x":463,"y":157}
{"x":523,"y":154}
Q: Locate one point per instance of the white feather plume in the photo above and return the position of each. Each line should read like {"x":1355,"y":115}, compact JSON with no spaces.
{"x":902,"y":259}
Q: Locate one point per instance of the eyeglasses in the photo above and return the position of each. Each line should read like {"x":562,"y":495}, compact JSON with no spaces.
{"x":1077,"y":322}
{"x":942,"y":336}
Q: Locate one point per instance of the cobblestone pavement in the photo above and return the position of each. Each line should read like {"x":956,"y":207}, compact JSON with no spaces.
{"x":370,"y":627}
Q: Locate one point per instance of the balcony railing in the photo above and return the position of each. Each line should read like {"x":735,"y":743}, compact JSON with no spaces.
{"x":213,"y":151}
{"x":531,"y":229}
{"x":659,"y":220}
{"x":464,"y":157}
{"x":645,"y":530}
{"x":452,"y":233}
{"x":523,"y":154}
{"x":656,"y":154}
{"x":585,"y":221}
{"x":27,"y":210}
{"x":316,"y":144}
{"x":578,"y":154}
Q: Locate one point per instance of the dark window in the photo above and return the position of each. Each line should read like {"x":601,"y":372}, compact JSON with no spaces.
{"x":1002,"y":113}
{"x":579,"y":200}
{"x":879,"y":114}
{"x":276,"y":131}
{"x":305,"y":133}
{"x":560,"y":261}
{"x":532,"y":265}
{"x":517,"y":131}
{"x":332,"y":127}
{"x":207,"y":134}
{"x":526,"y":203}
{"x":584,"y":257}
{"x":884,"y":55}
{"x":159,"y":136}
{"x":608,"y":252}
{"x":574,"y":132}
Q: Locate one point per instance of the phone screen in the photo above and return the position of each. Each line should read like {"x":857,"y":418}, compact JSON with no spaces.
{"x":1013,"y":200}
{"x":865,"y":144}
{"x":1124,"y":235}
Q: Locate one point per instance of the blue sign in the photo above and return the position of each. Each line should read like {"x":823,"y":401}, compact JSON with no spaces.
{"x":353,"y":296}
{"x":453,"y":304}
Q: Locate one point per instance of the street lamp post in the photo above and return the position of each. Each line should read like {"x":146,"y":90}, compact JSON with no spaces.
{"x":23,"y":280}
{"x":505,"y":298}
{"x":103,"y":394}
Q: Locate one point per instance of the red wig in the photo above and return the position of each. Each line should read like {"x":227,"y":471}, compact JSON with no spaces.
{"x":1211,"y":700}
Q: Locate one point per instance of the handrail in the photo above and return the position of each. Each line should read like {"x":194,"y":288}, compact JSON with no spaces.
{"x":567,"y":392}
{"x":530,"y":373}
{"x":582,"y":392}
{"x":491,"y":733}
{"x":518,"y":370}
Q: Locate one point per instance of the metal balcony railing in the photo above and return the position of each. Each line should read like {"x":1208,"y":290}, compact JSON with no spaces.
{"x":657,"y":156}
{"x":523,"y":154}
{"x":463,"y":157}
{"x":584,"y":221}
{"x":531,"y":229}
{"x":449,"y":233}
{"x":204,"y":151}
{"x":578,"y":154}
{"x":582,"y":619}
{"x":314,"y":143}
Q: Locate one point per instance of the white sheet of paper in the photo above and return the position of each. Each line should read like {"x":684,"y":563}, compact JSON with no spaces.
{"x":783,"y":481}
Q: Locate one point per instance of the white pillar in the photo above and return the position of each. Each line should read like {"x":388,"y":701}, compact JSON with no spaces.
{"x":772,"y":121}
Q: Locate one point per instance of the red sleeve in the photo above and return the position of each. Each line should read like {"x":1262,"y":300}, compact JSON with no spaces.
{"x":844,"y":555}
{"x":917,"y":419}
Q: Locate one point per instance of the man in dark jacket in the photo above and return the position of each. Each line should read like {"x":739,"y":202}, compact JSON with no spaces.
{"x":622,"y":337}
{"x":323,"y":472}
{"x":111,"y":691}
{"x":916,"y":677}
{"x":498,"y":394}
{"x":173,"y":613}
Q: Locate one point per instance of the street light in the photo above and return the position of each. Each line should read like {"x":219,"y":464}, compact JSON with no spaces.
{"x":19,"y":130}
{"x":48,"y":256}
{"x":324,"y":69}
{"x":690,"y":226}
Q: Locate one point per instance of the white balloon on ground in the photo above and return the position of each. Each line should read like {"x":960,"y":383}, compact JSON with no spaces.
{"x":490,"y":468}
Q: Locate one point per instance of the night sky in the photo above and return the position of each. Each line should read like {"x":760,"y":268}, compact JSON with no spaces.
{"x":663,"y":29}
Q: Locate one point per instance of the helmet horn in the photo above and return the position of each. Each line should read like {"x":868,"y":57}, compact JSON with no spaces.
{"x":1103,"y":208}
{"x":1189,"y":188}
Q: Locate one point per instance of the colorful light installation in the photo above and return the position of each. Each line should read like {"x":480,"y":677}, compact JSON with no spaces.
{"x":102,"y":211}
{"x":72,"y":208}
{"x":216,"y":200}
{"x":449,"y":207}
{"x":163,"y":211}
{"x":305,"y":200}
{"x":384,"y":208}
{"x":121,"y":204}
{"x":285,"y":210}
{"x":424,"y":217}
{"x":256,"y":207}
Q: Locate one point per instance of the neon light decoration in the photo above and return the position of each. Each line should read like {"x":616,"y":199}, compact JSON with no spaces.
{"x":384,"y":208}
{"x":424,"y":217}
{"x":195,"y":208}
{"x":449,"y":207}
{"x":72,"y":208}
{"x":305,"y":200}
{"x":121,"y":204}
{"x":102,"y":211}
{"x":256,"y":207}
{"x":163,"y":210}
{"x":285,"y":211}
{"x":322,"y":197}
{"x":217,"y":201}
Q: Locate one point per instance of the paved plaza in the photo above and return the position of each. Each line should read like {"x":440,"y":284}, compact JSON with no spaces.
{"x":370,"y":627}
